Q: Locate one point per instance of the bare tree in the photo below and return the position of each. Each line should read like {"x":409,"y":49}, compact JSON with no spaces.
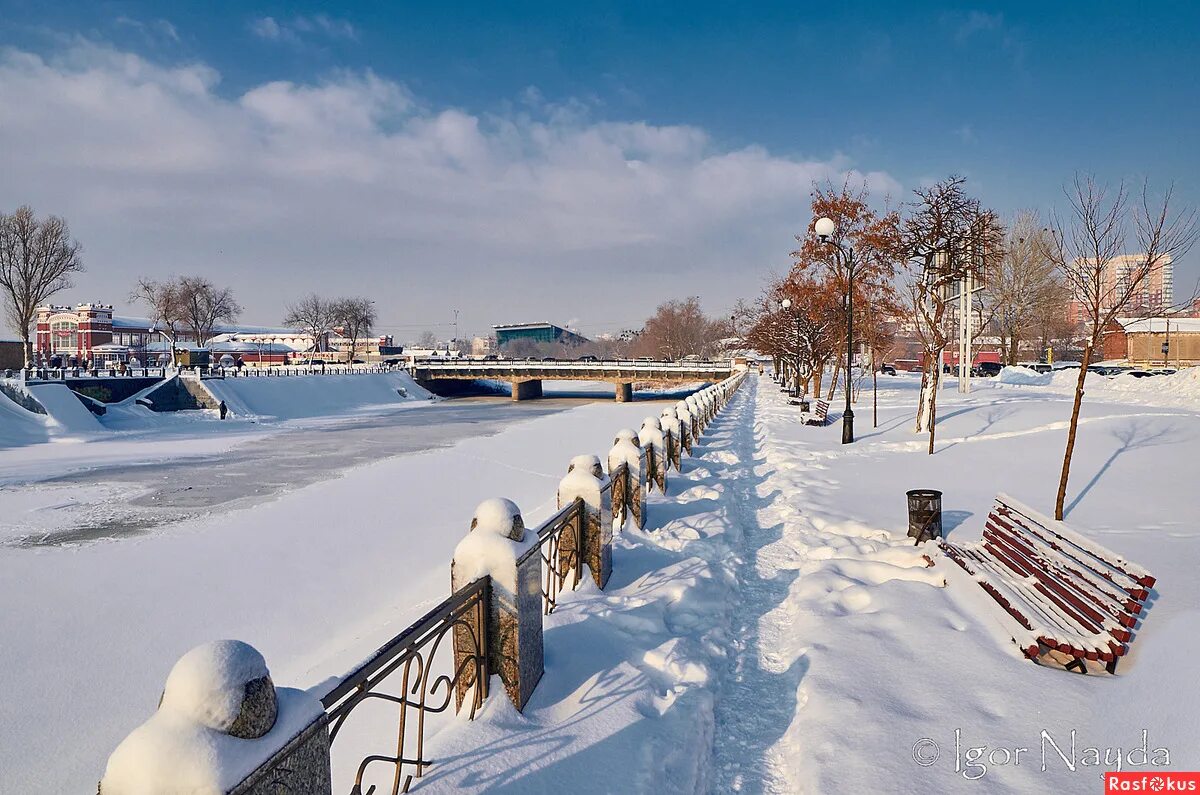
{"x":1089,"y":245}
{"x":315,"y":316}
{"x":37,"y":259}
{"x":427,"y":340}
{"x":948,"y":234}
{"x":1020,"y":287}
{"x":679,"y":328}
{"x":166,"y":304}
{"x":356,"y":317}
{"x":205,"y":305}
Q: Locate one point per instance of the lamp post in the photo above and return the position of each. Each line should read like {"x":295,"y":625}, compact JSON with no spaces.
{"x":786,"y":304}
{"x":167,"y":337}
{"x":826,"y":229}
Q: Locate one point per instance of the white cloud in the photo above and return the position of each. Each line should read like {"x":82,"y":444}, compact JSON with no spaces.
{"x":301,"y":28}
{"x":353,"y":185}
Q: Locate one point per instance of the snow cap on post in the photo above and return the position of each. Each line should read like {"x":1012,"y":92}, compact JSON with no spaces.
{"x":627,"y":435}
{"x":223,"y":685}
{"x":652,"y":422}
{"x":588,"y":463}
{"x":499,"y":516}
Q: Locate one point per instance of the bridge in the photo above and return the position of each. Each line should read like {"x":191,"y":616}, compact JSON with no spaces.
{"x":526,"y":376}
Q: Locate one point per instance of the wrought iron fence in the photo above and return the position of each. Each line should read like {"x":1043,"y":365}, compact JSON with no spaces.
{"x":560,"y":543}
{"x":403,"y":673}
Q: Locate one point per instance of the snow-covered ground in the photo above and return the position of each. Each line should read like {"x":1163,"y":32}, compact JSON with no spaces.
{"x":315,"y":539}
{"x":774,"y":630}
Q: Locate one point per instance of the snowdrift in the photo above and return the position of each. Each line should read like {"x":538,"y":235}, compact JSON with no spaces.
{"x":19,"y":426}
{"x":1179,"y":390}
{"x":67,"y":413}
{"x":306,"y":396}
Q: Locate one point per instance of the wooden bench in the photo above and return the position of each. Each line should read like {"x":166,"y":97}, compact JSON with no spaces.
{"x":1064,"y":598}
{"x":818,"y":413}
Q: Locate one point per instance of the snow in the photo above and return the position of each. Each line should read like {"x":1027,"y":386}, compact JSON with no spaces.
{"x":582,"y":481}
{"x":206,"y":685}
{"x":315,"y":577}
{"x":171,"y":753}
{"x":1178,"y":390}
{"x":772,"y":629}
{"x":775,"y":630}
{"x":184,"y":746}
{"x":68,"y":416}
{"x":294,"y":397}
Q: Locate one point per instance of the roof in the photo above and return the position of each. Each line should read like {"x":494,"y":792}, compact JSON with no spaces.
{"x":142,"y":324}
{"x":1158,"y":325}
{"x":543,"y":324}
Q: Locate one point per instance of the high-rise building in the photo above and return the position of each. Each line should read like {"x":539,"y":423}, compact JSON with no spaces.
{"x":1155,"y":293}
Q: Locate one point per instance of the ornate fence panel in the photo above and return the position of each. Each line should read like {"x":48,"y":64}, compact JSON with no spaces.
{"x":560,"y":543}
{"x":402,"y":672}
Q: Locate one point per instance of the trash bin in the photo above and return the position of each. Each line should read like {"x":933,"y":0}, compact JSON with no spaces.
{"x":924,"y":514}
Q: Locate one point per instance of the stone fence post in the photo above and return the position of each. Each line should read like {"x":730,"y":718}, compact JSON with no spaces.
{"x":585,"y":479}
{"x":687,"y":435}
{"x":655,"y":444}
{"x":494,"y":548}
{"x":222,"y":726}
{"x":627,"y":450}
{"x":672,"y":426}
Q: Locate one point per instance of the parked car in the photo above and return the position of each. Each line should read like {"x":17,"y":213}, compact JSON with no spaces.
{"x":987,"y":369}
{"x":1037,"y":367}
{"x":1137,"y":373}
{"x":887,"y":369}
{"x":1164,"y":371}
{"x":549,"y":359}
{"x":587,"y":357}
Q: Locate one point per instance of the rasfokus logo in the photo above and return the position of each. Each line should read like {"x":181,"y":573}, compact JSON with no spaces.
{"x":1162,"y":781}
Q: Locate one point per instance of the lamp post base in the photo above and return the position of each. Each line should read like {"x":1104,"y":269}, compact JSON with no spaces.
{"x":848,"y":427}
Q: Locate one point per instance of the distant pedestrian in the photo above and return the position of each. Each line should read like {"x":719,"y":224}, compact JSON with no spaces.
{"x":223,"y":409}
{"x":238,"y":364}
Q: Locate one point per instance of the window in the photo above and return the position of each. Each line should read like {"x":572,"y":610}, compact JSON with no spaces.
{"x":64,"y":335}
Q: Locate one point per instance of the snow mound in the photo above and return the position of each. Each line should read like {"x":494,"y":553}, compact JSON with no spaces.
{"x":65,"y":410}
{"x":1023,"y":376}
{"x":305,"y":396}
{"x":208,"y":683}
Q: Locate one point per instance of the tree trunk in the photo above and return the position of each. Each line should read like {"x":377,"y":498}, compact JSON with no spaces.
{"x":937,"y":377}
{"x":875,"y":397}
{"x":923,"y":396}
{"x":837,"y":372}
{"x":27,"y":348}
{"x":1072,"y":430}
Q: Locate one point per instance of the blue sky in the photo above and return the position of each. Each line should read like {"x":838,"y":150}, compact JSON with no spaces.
{"x":531,"y":107}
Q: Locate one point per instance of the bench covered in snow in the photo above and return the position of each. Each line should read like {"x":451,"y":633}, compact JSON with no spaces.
{"x":1063,"y":597}
{"x":818,"y":413}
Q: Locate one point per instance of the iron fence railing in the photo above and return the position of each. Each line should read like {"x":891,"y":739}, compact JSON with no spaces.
{"x":403,"y":672}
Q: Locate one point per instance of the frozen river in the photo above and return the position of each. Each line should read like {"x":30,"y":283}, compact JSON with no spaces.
{"x":314,"y":542}
{"x":122,"y":497}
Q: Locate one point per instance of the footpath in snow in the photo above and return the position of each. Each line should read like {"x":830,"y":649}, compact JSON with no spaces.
{"x":774,"y":629}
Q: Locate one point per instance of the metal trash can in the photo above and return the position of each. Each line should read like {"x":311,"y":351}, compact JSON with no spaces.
{"x":924,"y":514}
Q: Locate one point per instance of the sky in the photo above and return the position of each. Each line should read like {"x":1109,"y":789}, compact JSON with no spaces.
{"x":570,"y":162}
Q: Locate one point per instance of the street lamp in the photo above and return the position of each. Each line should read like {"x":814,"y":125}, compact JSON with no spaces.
{"x":826,"y":229}
{"x":787,"y":307}
{"x":167,"y":337}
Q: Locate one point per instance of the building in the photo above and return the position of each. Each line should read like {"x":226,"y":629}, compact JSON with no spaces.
{"x":92,"y":331}
{"x":1155,"y":294}
{"x":1140,"y":341}
{"x":536,"y":332}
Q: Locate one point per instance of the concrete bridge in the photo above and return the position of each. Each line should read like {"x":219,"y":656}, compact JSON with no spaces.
{"x":526,"y":376}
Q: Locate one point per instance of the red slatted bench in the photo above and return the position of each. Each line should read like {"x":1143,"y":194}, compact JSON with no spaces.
{"x":1057,"y":591}
{"x":819,"y":413}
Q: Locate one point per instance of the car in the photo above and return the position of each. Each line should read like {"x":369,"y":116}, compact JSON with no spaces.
{"x":587,"y":357}
{"x":1137,"y":373}
{"x":549,"y":359}
{"x":986,"y":369}
{"x":1037,"y":367}
{"x":887,"y":369}
{"x":1164,"y":371}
